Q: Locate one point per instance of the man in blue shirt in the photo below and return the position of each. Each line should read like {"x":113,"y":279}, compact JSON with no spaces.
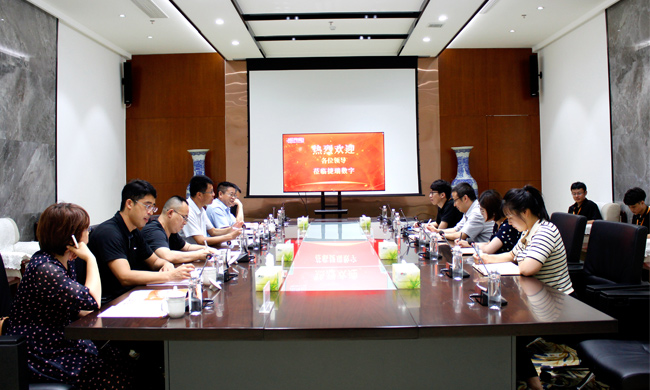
{"x":219,"y":211}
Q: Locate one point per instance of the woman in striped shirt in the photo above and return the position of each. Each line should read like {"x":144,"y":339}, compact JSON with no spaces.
{"x":540,"y":253}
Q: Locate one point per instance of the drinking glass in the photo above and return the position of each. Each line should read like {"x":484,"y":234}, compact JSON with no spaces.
{"x":494,"y":290}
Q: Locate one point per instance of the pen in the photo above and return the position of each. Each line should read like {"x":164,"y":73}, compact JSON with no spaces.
{"x":74,"y":239}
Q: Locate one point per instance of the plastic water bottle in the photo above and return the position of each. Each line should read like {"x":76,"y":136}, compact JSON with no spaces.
{"x":384,"y":213}
{"x":195,"y":293}
{"x":433,"y":247}
{"x":457,"y":264}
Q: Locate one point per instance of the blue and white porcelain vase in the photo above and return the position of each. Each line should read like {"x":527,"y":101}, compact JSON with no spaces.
{"x":462,"y":172}
{"x":198,"y":164}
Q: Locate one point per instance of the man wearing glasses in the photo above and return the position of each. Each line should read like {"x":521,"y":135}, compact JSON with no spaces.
{"x":163,"y":238}
{"x":199,"y":230}
{"x":219,"y":211}
{"x":448,"y":215}
{"x":124,"y":258}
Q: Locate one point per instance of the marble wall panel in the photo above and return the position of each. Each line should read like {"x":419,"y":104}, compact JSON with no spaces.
{"x":28,"y":39}
{"x":628,"y":34}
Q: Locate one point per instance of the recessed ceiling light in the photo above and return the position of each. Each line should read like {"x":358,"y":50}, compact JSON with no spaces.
{"x":426,"y":39}
{"x":512,"y":31}
{"x":442,"y":18}
{"x":150,"y":37}
{"x":122,"y":16}
{"x":219,"y":21}
{"x":540,"y":8}
{"x":235,"y":43}
{"x":361,"y":37}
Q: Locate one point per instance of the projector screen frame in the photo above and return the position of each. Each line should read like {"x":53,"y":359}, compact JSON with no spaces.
{"x":343,"y":63}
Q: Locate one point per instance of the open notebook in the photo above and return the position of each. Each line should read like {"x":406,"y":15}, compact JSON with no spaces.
{"x":508,"y":268}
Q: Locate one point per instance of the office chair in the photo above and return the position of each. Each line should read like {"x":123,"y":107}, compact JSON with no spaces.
{"x":572,"y":231}
{"x":622,"y":364}
{"x":13,"y":360}
{"x":614,"y":259}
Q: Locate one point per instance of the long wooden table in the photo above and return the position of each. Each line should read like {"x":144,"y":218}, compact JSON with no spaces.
{"x":383,"y":339}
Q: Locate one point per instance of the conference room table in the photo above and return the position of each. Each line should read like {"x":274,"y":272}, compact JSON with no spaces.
{"x":387,"y":338}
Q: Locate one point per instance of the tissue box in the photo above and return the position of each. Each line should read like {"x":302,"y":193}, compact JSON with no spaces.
{"x":387,"y":250}
{"x":406,"y":276}
{"x":303,"y":223}
{"x":284,"y":252}
{"x":365,"y":223}
{"x":266,"y":274}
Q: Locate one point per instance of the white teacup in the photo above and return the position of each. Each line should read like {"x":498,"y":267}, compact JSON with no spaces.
{"x":174,"y":304}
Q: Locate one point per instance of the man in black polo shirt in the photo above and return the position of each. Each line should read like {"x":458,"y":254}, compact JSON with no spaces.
{"x":635,"y":199}
{"x":163,"y":238}
{"x":582,"y":205}
{"x":124,"y":258}
{"x":448,"y":215}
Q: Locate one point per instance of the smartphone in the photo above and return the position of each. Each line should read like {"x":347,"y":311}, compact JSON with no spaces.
{"x":74,"y":239}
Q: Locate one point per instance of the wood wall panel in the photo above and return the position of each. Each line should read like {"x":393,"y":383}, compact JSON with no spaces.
{"x":514,"y":145}
{"x":177,"y":85}
{"x":485,"y":102}
{"x":178,"y":105}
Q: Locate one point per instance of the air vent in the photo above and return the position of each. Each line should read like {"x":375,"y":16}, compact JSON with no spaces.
{"x":150,"y":8}
{"x":435,"y":25}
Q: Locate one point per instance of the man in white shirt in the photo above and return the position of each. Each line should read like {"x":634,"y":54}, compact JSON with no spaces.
{"x":199,"y":229}
{"x":219,"y":211}
{"x":472,"y":226}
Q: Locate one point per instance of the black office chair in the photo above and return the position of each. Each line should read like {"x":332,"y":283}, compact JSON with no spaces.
{"x":614,"y":258}
{"x":572,"y":231}
{"x":622,"y":364}
{"x":13,"y":350}
{"x":13,"y":360}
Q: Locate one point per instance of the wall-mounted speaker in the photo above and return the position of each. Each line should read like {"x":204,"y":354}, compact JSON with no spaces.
{"x":533,"y":75}
{"x":127,"y":84}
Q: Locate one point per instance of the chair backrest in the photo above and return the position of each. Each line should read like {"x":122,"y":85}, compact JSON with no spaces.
{"x":611,"y":211}
{"x":13,"y":360}
{"x":615,"y":253}
{"x":572,"y":230}
{"x":5,"y":292}
{"x":9,"y":234}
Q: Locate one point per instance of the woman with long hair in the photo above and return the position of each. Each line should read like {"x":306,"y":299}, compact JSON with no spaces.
{"x":49,"y":298}
{"x":504,"y":236}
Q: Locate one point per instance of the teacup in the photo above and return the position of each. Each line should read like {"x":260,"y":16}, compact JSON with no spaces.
{"x":174,"y":304}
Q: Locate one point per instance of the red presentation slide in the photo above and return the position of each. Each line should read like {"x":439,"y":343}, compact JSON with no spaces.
{"x":333,"y":162}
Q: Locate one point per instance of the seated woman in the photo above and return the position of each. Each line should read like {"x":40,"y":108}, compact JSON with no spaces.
{"x":540,"y":253}
{"x":49,"y":298}
{"x":504,"y":236}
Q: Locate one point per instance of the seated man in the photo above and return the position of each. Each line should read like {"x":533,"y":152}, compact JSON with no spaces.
{"x":219,"y":212}
{"x":199,"y":229}
{"x":163,"y":238}
{"x":440,"y":196}
{"x":635,"y":199}
{"x":582,"y":205}
{"x":123,"y":257}
{"x":472,"y":226}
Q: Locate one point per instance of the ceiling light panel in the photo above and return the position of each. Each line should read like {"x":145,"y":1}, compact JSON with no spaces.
{"x":302,"y":6}
{"x":491,"y":30}
{"x":322,"y":26}
{"x":457,"y":12}
{"x":171,"y":35}
{"x":334,"y":48}
{"x":203,"y":14}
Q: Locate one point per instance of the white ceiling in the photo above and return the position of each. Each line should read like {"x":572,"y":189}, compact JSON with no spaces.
{"x":321,"y":28}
